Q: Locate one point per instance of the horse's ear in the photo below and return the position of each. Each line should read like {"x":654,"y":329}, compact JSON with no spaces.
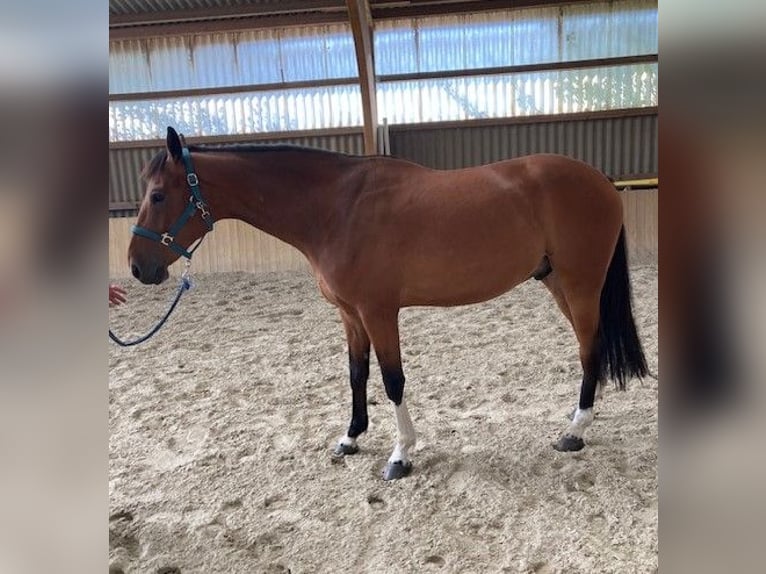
{"x":174,"y":144}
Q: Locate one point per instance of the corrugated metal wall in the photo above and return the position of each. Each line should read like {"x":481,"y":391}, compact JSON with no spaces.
{"x":212,"y":60}
{"x":516,"y":36}
{"x":125,"y":185}
{"x":242,"y":82}
{"x":618,"y":146}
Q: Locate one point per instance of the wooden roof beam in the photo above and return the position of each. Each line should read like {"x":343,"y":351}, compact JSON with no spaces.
{"x":361,"y":27}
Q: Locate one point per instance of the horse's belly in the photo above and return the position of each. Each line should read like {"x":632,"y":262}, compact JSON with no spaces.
{"x":455,"y":263}
{"x":451,"y":284}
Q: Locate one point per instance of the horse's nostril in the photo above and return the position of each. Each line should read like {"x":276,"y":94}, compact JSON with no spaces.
{"x":136,"y":271}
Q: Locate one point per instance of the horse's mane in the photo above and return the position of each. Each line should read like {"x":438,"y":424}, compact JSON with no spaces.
{"x":155,"y":165}
{"x":256,"y":148}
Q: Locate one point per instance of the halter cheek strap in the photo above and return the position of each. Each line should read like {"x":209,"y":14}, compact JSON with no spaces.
{"x":196,"y":202}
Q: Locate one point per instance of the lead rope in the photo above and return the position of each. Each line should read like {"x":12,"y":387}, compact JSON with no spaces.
{"x":185,"y":285}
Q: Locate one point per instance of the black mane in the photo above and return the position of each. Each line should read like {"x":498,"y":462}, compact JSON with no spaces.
{"x":256,"y":148}
{"x":158,"y":161}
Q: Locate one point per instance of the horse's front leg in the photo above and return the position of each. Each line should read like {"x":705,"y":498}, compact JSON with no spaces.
{"x":359,"y":371}
{"x":383,"y":328}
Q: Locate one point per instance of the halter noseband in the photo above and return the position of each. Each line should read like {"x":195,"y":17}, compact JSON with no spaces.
{"x":195,"y":203}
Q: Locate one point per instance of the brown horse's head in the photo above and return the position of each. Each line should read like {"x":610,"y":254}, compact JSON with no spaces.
{"x":167,"y":222}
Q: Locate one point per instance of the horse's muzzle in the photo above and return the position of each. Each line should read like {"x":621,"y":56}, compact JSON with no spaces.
{"x":149,"y":274}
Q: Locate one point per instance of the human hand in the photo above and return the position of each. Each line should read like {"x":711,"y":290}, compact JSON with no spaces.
{"x":117,"y":295}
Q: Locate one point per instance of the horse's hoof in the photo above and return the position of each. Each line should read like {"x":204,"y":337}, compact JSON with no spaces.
{"x":569,"y":443}
{"x":396,"y":470}
{"x":344,"y":449}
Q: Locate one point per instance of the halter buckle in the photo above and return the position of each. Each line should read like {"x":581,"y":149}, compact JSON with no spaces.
{"x":192,"y":179}
{"x":166,"y":239}
{"x":203,"y":208}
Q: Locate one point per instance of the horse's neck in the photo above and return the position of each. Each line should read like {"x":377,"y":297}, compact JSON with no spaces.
{"x":283,"y":194}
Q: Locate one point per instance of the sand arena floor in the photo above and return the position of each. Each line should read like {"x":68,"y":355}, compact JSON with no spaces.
{"x":221,"y":429}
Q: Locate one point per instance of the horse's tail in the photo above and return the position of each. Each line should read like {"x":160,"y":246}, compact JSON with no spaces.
{"x":620,"y":355}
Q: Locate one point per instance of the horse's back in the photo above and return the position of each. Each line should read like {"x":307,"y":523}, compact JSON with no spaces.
{"x":553,"y":194}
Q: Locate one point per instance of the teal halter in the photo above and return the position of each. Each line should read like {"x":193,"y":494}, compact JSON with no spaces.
{"x":196,"y":202}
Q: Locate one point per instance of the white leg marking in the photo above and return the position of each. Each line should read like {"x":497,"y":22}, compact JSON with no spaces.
{"x":346,"y":440}
{"x":581,"y":421}
{"x":405,"y":435}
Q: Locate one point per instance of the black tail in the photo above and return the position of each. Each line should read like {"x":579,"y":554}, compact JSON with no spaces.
{"x":620,"y":355}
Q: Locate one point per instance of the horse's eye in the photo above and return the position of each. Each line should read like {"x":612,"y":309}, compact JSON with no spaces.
{"x":157,"y":197}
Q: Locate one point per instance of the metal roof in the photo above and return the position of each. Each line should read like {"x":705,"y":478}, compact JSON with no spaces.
{"x":124,"y":7}
{"x":137,"y":13}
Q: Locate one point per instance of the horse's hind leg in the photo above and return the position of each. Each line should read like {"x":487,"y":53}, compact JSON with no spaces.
{"x":584,"y":310}
{"x":551,"y":281}
{"x":553,"y":284}
{"x":359,"y":371}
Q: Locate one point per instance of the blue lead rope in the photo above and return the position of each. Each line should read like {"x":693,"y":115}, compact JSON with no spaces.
{"x":184,"y":286}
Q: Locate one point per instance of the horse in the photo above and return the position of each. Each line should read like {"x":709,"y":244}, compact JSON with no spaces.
{"x":382,"y":233}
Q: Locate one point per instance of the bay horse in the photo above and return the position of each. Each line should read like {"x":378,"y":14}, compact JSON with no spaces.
{"x":383,"y":233}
